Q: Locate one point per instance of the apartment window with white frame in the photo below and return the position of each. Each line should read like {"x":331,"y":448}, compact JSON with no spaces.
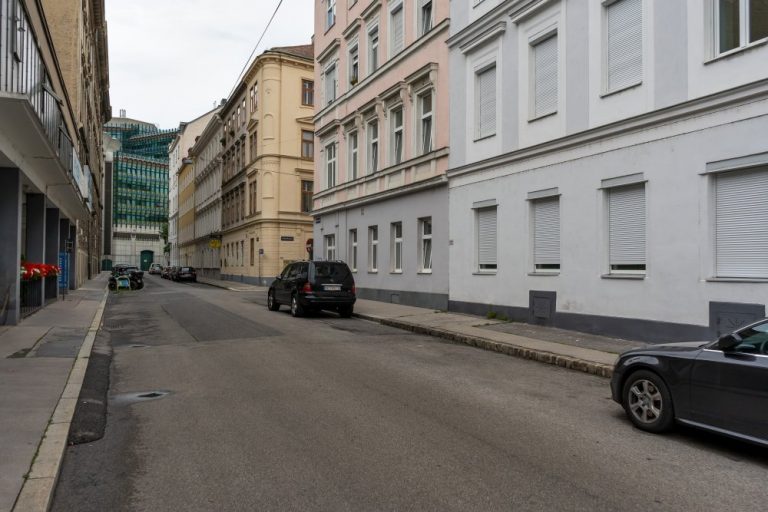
{"x":352,"y":155}
{"x":485,"y":102}
{"x":626,"y":229}
{"x":373,"y":249}
{"x":396,"y":247}
{"x":425,"y":245}
{"x":373,"y":146}
{"x":354,"y":65}
{"x":352,"y":256}
{"x":396,"y":30}
{"x":425,"y":125}
{"x":486,"y":238}
{"x":330,"y":247}
{"x":425,"y":16}
{"x":373,"y":49}
{"x":623,"y":54}
{"x":330,"y":14}
{"x":330,"y":84}
{"x":739,"y":23}
{"x":330,"y":165}
{"x":396,"y":135}
{"x":741,"y":224}
{"x":544,"y":76}
{"x":546,"y":234}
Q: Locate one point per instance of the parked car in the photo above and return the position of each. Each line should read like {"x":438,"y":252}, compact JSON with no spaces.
{"x":156,"y":268}
{"x":721,"y":386}
{"x":184,"y":274}
{"x":312,"y":286}
{"x":166,"y":272}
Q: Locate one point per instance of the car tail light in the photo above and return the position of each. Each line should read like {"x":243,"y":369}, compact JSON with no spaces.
{"x":307,"y":288}
{"x":354,"y":290}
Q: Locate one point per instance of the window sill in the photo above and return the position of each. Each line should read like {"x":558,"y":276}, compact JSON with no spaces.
{"x":736,"y":280}
{"x":484,"y":273}
{"x":621,"y":89}
{"x":373,"y":271}
{"x":542,"y":116}
{"x":636,"y":277}
{"x":554,"y":273}
{"x":396,"y":272}
{"x":425,"y":272}
{"x":478,"y":139}
{"x":736,"y":51}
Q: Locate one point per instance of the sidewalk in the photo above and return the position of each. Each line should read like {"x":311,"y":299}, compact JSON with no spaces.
{"x":42,"y":362}
{"x":578,"y":351}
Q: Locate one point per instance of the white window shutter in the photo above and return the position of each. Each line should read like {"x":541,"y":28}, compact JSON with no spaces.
{"x":486,"y":93}
{"x":486,"y":237}
{"x":741,"y":227}
{"x":398,"y":30}
{"x":624,"y":52}
{"x":626,"y":219}
{"x":546,"y":228}
{"x":545,"y":76}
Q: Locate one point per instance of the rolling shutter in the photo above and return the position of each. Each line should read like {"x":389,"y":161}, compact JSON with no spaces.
{"x":486,"y":238}
{"x":741,"y":227}
{"x":626,"y":219}
{"x":624,"y":52}
{"x":398,"y":41}
{"x":546,"y":231}
{"x":486,"y":94}
{"x":545,"y":76}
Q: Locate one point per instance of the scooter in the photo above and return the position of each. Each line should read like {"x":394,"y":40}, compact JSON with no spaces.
{"x":126,"y":280}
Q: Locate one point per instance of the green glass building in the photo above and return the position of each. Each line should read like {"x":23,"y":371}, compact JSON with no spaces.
{"x":139,"y":184}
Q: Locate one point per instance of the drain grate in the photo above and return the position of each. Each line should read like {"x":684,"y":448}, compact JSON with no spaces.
{"x":141,"y":396}
{"x":153,"y":394}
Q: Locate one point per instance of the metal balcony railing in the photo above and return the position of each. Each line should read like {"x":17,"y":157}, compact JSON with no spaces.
{"x":23,"y":71}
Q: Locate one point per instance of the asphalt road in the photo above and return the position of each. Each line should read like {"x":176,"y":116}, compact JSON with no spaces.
{"x":267,"y":412}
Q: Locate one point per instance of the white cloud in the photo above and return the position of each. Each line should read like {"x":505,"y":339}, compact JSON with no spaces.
{"x":171,"y":60}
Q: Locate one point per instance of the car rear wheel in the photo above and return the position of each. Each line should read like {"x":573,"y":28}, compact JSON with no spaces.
{"x":647,"y":402}
{"x":296,"y":309}
{"x":272,"y":304}
{"x":345,"y":311}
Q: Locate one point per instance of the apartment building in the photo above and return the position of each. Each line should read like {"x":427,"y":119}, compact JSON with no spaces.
{"x":267,"y":168}
{"x":50,"y":155}
{"x":609,"y":164}
{"x":381,"y":146}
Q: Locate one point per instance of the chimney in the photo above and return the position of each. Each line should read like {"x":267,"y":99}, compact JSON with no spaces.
{"x":122,"y":112}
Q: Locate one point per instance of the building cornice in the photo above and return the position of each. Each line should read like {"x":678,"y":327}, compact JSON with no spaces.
{"x":481,"y":25}
{"x":730,"y":98}
{"x":332,"y":47}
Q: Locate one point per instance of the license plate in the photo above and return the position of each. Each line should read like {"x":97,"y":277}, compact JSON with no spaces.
{"x":332,"y":287}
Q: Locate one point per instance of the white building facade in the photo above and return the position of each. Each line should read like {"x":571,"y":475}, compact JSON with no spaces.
{"x":175,"y":158}
{"x":609,"y":164}
{"x":207,"y":235}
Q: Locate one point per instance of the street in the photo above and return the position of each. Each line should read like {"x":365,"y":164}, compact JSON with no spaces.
{"x":267,"y":412}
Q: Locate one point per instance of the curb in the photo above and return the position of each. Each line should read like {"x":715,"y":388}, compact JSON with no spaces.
{"x":37,"y":491}
{"x":571,"y":363}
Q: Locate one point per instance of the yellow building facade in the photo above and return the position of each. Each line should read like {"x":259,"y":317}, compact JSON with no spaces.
{"x":268,"y":166}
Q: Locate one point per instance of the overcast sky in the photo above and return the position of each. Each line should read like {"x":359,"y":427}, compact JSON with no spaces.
{"x":170,"y":60}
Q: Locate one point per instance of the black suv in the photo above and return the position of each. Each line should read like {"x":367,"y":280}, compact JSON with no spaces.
{"x":314,"y":285}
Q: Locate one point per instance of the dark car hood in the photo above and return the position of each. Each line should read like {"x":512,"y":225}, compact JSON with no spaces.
{"x":682,"y":346}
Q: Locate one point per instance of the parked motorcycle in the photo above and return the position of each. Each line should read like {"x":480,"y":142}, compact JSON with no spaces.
{"x":126,"y":278}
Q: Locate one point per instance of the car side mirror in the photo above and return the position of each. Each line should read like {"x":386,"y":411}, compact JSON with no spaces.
{"x":728,"y":342}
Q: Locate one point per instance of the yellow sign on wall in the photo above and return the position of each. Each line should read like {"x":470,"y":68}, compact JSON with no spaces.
{"x":214,"y":244}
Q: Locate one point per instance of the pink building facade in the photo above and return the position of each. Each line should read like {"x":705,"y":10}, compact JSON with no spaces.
{"x":381,"y":145}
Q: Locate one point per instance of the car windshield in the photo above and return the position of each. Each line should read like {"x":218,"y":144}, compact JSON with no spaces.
{"x":335,"y":271}
{"x":186,"y":269}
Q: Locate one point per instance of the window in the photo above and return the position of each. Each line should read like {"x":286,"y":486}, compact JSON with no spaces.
{"x":307,"y":93}
{"x":373,"y":50}
{"x":330,"y":84}
{"x":626,"y":229}
{"x":354,"y":66}
{"x":373,"y":248}
{"x":624,"y":44}
{"x":741,"y":224}
{"x":425,"y":16}
{"x":330,"y":14}
{"x":485,"y":108}
{"x":353,"y":155}
{"x":546,"y":234}
{"x":739,"y":23}
{"x":486,"y":239}
{"x":306,"y":196}
{"x":545,"y":77}
{"x":352,"y":257}
{"x":330,"y":247}
{"x":307,"y":145}
{"x":253,"y":251}
{"x":373,"y":146}
{"x":396,"y":31}
{"x":254,"y":141}
{"x":396,"y":145}
{"x":425,"y":245}
{"x":396,"y":247}
{"x":330,"y":165}
{"x":425,"y":126}
{"x":254,"y":94}
{"x":252,"y":197}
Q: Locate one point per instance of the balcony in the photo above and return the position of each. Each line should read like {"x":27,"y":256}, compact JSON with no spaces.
{"x":33,"y":134}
